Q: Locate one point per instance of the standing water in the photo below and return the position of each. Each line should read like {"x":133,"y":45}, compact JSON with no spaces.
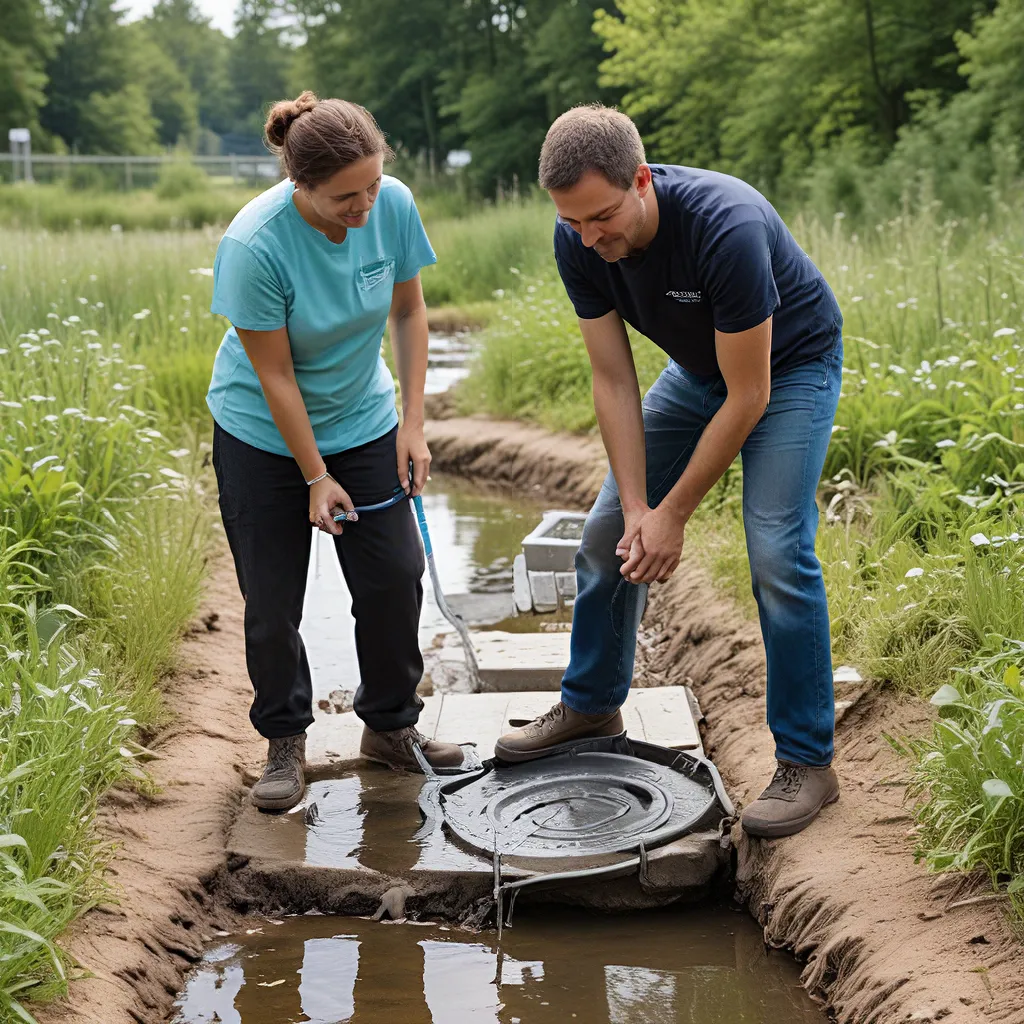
{"x":693,"y":965}
{"x":703,"y":966}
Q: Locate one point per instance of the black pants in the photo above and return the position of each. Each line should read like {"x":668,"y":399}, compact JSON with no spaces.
{"x":264,"y":503}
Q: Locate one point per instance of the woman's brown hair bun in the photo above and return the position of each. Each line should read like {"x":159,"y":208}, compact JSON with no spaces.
{"x":317,"y":138}
{"x":283,"y":114}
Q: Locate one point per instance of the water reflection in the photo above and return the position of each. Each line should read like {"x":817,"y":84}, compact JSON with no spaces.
{"x":704,"y":966}
{"x":475,"y":536}
{"x":367,"y":819}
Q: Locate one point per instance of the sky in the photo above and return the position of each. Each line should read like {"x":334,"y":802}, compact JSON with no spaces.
{"x":220,"y":12}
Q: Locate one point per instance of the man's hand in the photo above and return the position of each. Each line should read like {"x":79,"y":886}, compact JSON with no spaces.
{"x":655,"y":545}
{"x":412,"y":447}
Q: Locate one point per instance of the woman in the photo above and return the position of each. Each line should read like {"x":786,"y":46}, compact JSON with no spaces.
{"x":308,"y":274}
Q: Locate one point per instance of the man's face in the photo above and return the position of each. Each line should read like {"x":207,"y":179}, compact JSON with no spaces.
{"x":346,"y":198}
{"x":607,"y":218}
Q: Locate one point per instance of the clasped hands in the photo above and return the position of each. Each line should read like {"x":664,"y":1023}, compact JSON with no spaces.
{"x":652,"y":543}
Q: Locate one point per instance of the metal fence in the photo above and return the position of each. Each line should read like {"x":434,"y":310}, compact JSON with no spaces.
{"x":129,"y":172}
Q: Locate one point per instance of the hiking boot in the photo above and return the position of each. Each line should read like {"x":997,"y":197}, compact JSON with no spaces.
{"x":791,"y":802}
{"x":556,"y":730}
{"x":395,"y":749}
{"x":283,"y":781}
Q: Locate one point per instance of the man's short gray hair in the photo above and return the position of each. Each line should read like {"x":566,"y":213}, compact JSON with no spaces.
{"x":590,"y":138}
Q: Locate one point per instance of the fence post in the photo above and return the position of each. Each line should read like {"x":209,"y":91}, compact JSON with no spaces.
{"x":128,"y":174}
{"x":234,"y":169}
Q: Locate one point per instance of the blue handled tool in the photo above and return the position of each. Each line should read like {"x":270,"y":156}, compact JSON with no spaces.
{"x":352,"y":516}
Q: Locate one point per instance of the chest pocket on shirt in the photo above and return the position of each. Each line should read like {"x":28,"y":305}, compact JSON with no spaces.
{"x":375,"y":273}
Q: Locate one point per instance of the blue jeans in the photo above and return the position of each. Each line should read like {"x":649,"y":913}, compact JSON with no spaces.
{"x":782,"y":463}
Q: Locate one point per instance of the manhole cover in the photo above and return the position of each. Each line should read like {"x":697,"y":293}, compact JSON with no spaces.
{"x":575,"y":805}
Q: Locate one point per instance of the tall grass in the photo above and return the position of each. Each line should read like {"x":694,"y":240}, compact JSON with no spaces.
{"x":923,"y":542}
{"x":103,"y":534}
{"x":59,"y":208}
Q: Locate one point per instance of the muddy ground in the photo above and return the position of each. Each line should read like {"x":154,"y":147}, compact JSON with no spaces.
{"x":881,"y":939}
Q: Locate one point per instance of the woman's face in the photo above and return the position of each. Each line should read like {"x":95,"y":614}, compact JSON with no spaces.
{"x":347,"y":198}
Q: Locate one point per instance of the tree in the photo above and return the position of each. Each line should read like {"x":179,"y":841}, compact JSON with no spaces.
{"x":259,"y":65}
{"x":94,"y":100}
{"x":26,"y":44}
{"x":200,"y":52}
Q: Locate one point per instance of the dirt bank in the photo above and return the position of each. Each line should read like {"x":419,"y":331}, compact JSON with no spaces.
{"x":170,"y":848}
{"x":880,"y":941}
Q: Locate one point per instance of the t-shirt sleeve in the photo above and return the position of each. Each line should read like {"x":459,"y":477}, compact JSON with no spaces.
{"x":738,"y":278}
{"x":246,"y":290}
{"x":585,"y":296}
{"x":416,"y":248}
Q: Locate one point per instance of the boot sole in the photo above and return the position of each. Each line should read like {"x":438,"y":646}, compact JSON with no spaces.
{"x":401,"y":766}
{"x":280,"y":804}
{"x":511,"y":756}
{"x":787,"y":828}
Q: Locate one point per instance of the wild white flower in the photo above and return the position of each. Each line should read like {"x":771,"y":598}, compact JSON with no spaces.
{"x":893,"y":368}
{"x":979,"y":540}
{"x":857,"y":298}
{"x":90,"y":334}
{"x":183,"y":330}
{"x":52,"y":316}
{"x":11,"y":405}
{"x":94,"y":345}
{"x":83,"y":300}
{"x":1004,"y":332}
{"x":179,"y":453}
{"x":141,"y":315}
{"x":945,"y":443}
{"x":203,"y":271}
{"x":911,"y":574}
{"x":74,"y":319}
{"x":116,"y":228}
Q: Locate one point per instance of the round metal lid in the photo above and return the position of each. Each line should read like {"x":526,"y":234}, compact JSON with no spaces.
{"x":575,"y":805}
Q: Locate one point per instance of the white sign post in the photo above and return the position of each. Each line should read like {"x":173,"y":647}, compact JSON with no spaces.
{"x":21,"y":147}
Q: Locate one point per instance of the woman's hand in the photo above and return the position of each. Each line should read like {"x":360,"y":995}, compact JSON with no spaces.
{"x":325,"y":498}
{"x":412,"y":447}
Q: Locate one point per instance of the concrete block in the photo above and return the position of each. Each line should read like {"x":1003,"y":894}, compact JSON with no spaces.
{"x":565,"y":584}
{"x":512,"y":661}
{"x":521,"y":596}
{"x":552,"y":546}
{"x":543,"y":591}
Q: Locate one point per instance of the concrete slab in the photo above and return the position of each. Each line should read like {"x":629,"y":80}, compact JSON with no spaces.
{"x":509,"y":662}
{"x":482,"y":609}
{"x":663,"y":716}
{"x":333,"y":740}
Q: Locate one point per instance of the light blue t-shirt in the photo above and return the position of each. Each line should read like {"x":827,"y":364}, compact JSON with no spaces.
{"x":273,"y":269}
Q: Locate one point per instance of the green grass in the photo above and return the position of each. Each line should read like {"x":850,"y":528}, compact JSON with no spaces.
{"x":103,"y":534}
{"x":923,"y":488}
{"x":58,"y":208}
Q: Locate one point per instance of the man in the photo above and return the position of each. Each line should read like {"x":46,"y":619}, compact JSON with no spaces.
{"x":702,"y":265}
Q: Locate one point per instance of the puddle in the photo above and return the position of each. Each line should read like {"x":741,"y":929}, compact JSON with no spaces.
{"x":475,"y":535}
{"x":369,"y":819}
{"x":705,"y":965}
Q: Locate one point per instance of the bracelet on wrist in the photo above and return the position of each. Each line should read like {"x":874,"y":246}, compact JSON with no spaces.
{"x":323,"y":476}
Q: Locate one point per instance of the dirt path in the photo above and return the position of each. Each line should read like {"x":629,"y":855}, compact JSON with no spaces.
{"x":170,"y":848}
{"x":880,"y":944}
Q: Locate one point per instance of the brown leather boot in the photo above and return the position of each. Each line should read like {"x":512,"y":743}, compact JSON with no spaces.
{"x":793,"y":799}
{"x":283,"y":781}
{"x":554,"y":731}
{"x":395,"y":749}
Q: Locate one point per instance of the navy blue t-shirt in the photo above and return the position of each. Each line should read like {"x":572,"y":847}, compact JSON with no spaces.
{"x":721,"y":259}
